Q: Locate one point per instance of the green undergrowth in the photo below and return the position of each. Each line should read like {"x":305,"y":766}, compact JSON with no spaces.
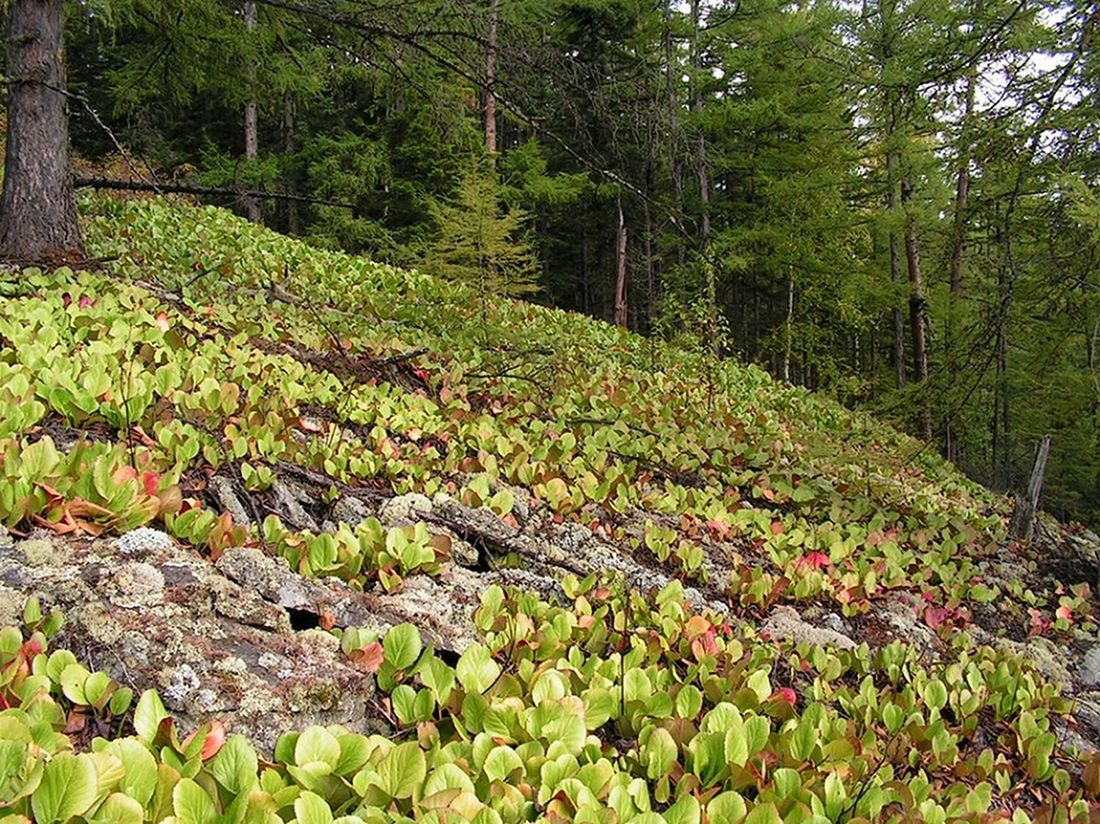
{"x":611,"y":707}
{"x":278,"y":352}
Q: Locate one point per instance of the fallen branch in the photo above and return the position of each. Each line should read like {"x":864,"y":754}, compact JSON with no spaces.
{"x":187,"y":189}
{"x":401,"y":357}
{"x":321,"y":479}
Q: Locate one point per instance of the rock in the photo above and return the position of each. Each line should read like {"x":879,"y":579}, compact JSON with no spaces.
{"x":350,"y":510}
{"x":1041,"y":653}
{"x":221,"y":488}
{"x":1069,"y":557}
{"x":143,"y":542}
{"x":38,"y":551}
{"x":5,"y":538}
{"x":133,"y":584}
{"x":784,"y":623}
{"x":295,"y":514}
{"x":405,"y":509}
{"x":1089,"y":671}
{"x":1073,"y":741}
{"x":175,"y":622}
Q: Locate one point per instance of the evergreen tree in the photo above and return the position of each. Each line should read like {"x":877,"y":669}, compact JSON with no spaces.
{"x":482,"y":243}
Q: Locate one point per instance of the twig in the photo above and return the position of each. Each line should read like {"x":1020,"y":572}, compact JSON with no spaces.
{"x":402,"y":357}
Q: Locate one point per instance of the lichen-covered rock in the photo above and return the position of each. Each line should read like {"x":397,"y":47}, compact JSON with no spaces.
{"x":350,"y":510}
{"x":142,"y":542}
{"x":177,"y":623}
{"x":405,"y":509}
{"x":784,"y":623}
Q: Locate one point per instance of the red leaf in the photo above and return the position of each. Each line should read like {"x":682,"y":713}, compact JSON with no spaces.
{"x":214,"y":740}
{"x":777,"y":527}
{"x":814,"y":560}
{"x":162,"y":321}
{"x":934,"y":616}
{"x":85,"y":302}
{"x":785,"y":694}
{"x":150,"y":480}
{"x":371,"y":656}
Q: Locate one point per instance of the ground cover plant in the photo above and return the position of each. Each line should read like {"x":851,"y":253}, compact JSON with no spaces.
{"x":214,"y":348}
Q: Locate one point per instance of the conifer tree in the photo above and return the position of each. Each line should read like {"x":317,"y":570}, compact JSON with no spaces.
{"x":481,"y":242}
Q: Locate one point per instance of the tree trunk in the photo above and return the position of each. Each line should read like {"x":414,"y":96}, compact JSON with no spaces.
{"x":962,"y":193}
{"x":895,"y":267}
{"x":38,"y":218}
{"x":290,"y":145}
{"x":251,"y":118}
{"x":701,"y":143}
{"x":788,"y":329}
{"x":1027,"y":506}
{"x":672,"y":78}
{"x":490,"y":82}
{"x":917,"y":309}
{"x":620,"y":267}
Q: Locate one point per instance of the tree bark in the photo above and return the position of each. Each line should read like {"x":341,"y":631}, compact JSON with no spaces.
{"x":620,"y":266}
{"x":962,"y":192}
{"x":672,"y":78}
{"x":1027,"y":506}
{"x":788,"y":329}
{"x":895,"y":267}
{"x":490,"y":81}
{"x":917,"y":308}
{"x":38,"y":217}
{"x":251,"y":119}
{"x":290,"y":145}
{"x":701,"y":143}
{"x":958,"y":240}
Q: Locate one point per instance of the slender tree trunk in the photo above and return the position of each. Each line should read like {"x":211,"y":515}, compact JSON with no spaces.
{"x":675,"y":167}
{"x":962,"y":193}
{"x":788,"y":329}
{"x":290,"y":145}
{"x":490,"y":81}
{"x":251,"y":118}
{"x":958,"y":240}
{"x":650,"y":274}
{"x":38,"y":217}
{"x":620,"y":269}
{"x":895,"y":266}
{"x":917,"y":309}
{"x":701,"y":143}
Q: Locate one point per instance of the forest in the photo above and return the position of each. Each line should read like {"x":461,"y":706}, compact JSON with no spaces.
{"x":891,"y":202}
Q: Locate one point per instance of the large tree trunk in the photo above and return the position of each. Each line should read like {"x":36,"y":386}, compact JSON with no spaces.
{"x":251,"y":118}
{"x":38,"y":219}
{"x":490,"y":81}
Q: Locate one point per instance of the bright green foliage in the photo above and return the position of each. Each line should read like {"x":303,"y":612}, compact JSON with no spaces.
{"x":479,"y":243}
{"x":809,"y":500}
{"x":559,"y":713}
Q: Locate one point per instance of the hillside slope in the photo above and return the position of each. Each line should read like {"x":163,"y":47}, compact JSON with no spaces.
{"x":820,"y":620}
